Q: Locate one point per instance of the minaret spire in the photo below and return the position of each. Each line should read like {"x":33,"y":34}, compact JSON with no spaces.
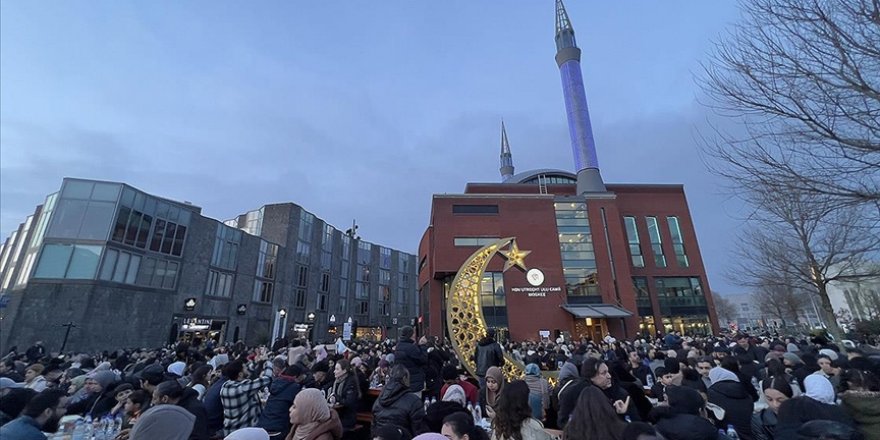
{"x":506,"y":157}
{"x":583,"y":147}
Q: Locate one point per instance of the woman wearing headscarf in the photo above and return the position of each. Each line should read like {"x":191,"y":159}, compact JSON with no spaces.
{"x":568,"y":376}
{"x":727,"y":392}
{"x":539,"y":391}
{"x":312,"y":419}
{"x":682,"y":418}
{"x":489,"y":395}
{"x":397,"y":406}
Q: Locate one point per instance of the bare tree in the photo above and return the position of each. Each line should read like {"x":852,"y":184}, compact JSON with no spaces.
{"x":805,"y":242}
{"x":802,"y":78}
{"x":725,"y":309}
{"x":781,"y":300}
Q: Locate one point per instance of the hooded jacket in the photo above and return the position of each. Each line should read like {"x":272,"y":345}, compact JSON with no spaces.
{"x":397,"y":406}
{"x":764,"y":425}
{"x":411,"y":356}
{"x":738,"y":406}
{"x":190,"y":402}
{"x":276,"y":413}
{"x":488,"y":354}
{"x":864,"y":407}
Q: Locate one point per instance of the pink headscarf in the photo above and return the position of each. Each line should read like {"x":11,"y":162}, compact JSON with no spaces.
{"x":311,"y":411}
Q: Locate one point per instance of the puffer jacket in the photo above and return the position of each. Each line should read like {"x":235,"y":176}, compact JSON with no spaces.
{"x":864,"y":407}
{"x":411,"y":356}
{"x":276,"y":413}
{"x":737,"y":404}
{"x":397,"y":406}
{"x":347,"y":397}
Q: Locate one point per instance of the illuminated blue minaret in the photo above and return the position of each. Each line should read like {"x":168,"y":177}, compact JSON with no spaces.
{"x":568,"y":58}
{"x":506,"y":157}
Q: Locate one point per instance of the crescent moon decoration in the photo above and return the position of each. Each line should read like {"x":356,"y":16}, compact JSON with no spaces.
{"x":464,"y":314}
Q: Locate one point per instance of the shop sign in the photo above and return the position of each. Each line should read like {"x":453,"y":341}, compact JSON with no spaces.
{"x":301,"y":327}
{"x":346,"y":331}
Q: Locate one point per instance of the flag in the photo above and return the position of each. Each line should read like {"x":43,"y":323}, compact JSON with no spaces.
{"x":340,"y":346}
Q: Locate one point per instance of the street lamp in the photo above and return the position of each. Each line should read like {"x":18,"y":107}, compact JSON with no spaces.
{"x":282,"y":313}
{"x":311,"y":316}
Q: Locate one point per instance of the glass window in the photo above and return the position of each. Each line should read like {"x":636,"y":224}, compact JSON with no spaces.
{"x":219,"y":284}
{"x":365,"y":252}
{"x":632,"y":235}
{"x":656,"y":242}
{"x":303,"y":250}
{"x":475,"y":209}
{"x":384,"y":277}
{"x":53,"y":261}
{"x":267,"y":259}
{"x":677,"y":241}
{"x":299,"y":296}
{"x":362,"y":290}
{"x":302,"y":279}
{"x":110,"y":258}
{"x":305,"y":226}
{"x":263,"y":291}
{"x":68,"y":218}
{"x":121,"y":267}
{"x":322,"y":302}
{"x":121,"y":224}
{"x":474,"y":241}
{"x":133,"y":266}
{"x":226,"y":243}
{"x":77,"y":189}
{"x":84,"y":262}
{"x":97,"y":220}
{"x":107,"y":192}
{"x":325,"y":282}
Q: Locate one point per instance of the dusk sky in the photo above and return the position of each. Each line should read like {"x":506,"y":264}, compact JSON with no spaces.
{"x":350,"y":109}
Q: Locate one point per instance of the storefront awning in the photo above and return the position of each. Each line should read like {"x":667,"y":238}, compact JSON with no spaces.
{"x":596,"y":311}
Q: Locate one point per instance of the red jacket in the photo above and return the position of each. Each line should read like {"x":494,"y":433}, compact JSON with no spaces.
{"x":470,"y":391}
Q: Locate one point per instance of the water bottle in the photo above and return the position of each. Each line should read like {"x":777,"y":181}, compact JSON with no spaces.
{"x":478,"y":415}
{"x":117,"y":425}
{"x":650,"y":381}
{"x":433,"y":400}
{"x":732,"y":433}
{"x":470,"y":408}
{"x":79,"y":430}
{"x":427,"y":403}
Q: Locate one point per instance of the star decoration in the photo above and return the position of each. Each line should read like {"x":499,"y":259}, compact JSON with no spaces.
{"x":515,"y":257}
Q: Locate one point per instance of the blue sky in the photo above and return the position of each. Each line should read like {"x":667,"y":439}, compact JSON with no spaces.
{"x":350,"y":109}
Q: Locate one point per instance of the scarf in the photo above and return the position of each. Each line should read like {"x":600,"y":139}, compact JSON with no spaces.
{"x":311,"y":411}
{"x":494,"y":373}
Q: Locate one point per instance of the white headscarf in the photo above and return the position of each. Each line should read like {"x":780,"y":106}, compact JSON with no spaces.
{"x":248,"y":434}
{"x":719,"y":374}
{"x":819,"y":388}
{"x":455,"y":393}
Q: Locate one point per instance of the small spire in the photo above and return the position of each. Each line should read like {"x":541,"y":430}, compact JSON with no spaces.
{"x":506,"y":157}
{"x":564,"y":31}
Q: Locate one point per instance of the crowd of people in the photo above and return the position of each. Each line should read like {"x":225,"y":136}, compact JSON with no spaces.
{"x":672,"y":387}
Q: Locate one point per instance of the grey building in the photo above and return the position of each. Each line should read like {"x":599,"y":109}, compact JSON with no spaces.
{"x":129,"y":269}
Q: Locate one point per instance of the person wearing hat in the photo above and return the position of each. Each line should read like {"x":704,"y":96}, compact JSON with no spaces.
{"x":97,"y":397}
{"x":413,"y":357}
{"x":167,"y":422}
{"x":488,"y":354}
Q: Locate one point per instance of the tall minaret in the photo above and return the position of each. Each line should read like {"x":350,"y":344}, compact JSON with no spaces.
{"x":506,"y":157}
{"x":568,"y":58}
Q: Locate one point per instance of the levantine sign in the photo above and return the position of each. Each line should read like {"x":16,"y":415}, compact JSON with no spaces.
{"x":536,"y":291}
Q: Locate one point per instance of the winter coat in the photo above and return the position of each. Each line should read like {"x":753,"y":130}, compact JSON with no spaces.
{"x":864,"y":407}
{"x":737,"y":404}
{"x":330,"y":429}
{"x":96,"y":405}
{"x":488,"y":354}
{"x":214,"y":407}
{"x":411,"y":356}
{"x":276,"y":413}
{"x":190,"y":402}
{"x":793,"y":413}
{"x":22,"y":428}
{"x":398,"y":406}
{"x":436,"y":412}
{"x":764,"y":425}
{"x":568,"y":397}
{"x":679,"y":426}
{"x":347,"y":398}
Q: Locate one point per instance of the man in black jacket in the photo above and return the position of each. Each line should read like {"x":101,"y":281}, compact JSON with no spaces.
{"x":488,"y":354}
{"x":413,"y":357}
{"x":172,"y":393}
{"x":396,"y":406}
